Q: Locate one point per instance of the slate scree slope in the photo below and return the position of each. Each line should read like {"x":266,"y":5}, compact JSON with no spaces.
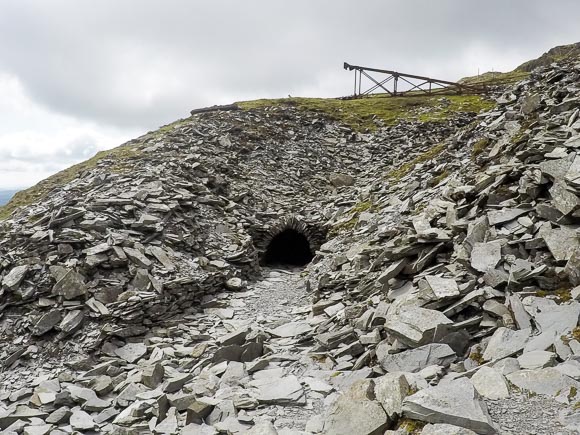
{"x":274,"y":270}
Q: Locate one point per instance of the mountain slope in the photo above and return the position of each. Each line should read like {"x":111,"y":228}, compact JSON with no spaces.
{"x":443,"y":286}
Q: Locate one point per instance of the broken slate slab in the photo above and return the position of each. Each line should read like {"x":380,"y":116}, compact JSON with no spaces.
{"x":445,"y":429}
{"x":547,"y":381}
{"x":496,"y":217}
{"x":417,"y":359}
{"x":562,"y":242}
{"x":71,"y":285}
{"x":455,"y":402}
{"x":131,"y":352}
{"x":485,"y":256}
{"x":536,"y":359}
{"x":505,"y":342}
{"x":291,"y":329}
{"x":47,"y":322}
{"x":279,"y":391}
{"x":15,"y":277}
{"x":390,"y":391}
{"x":356,"y":412}
{"x":490,"y":383}
{"x":415,"y":326}
{"x":442,"y":288}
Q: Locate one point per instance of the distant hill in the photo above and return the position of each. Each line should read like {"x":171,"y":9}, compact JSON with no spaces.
{"x":5,"y":195}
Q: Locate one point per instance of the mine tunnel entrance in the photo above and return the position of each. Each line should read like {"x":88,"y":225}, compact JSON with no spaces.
{"x":288,"y":248}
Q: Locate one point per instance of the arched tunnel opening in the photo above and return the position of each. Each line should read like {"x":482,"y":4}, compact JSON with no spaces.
{"x":288,"y":248}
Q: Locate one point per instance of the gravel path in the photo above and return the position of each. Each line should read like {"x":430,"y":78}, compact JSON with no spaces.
{"x":530,"y":414}
{"x":281,"y":296}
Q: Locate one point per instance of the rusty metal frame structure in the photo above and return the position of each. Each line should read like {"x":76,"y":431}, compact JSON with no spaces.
{"x":418,"y":84}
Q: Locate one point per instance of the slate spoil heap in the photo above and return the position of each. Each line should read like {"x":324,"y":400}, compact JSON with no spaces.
{"x":443,"y":297}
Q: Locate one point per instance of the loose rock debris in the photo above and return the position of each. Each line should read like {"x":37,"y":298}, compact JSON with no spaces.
{"x":444,"y":299}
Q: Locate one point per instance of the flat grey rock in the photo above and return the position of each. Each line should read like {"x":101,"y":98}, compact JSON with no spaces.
{"x":536,"y":359}
{"x":356,"y":412}
{"x":390,"y":391}
{"x":505,"y":342}
{"x":455,"y":402}
{"x":16,"y":275}
{"x":413,"y":360}
{"x":415,"y":326}
{"x":446,"y":429}
{"x":490,"y":383}
{"x":547,"y":381}
{"x":291,"y":329}
{"x":279,"y":391}
{"x":485,"y":256}
{"x":131,"y":352}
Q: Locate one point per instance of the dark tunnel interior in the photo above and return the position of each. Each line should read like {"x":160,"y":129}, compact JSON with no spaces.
{"x":288,"y":248}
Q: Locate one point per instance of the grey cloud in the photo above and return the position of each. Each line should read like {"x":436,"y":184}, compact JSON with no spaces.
{"x":143,"y":63}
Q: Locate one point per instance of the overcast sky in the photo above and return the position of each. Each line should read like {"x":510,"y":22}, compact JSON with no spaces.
{"x":77,"y":76}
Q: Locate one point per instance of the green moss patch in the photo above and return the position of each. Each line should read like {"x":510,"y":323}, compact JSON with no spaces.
{"x":361,"y":114}
{"x":480,"y":146}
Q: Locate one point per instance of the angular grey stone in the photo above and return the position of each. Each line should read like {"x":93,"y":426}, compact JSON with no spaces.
{"x":152,"y":375}
{"x":417,"y":359}
{"x":442,"y":288}
{"x":564,"y":200}
{"x":536,"y":359}
{"x":505,"y":342}
{"x":59,"y":416}
{"x":547,"y":381}
{"x":46,"y":322}
{"x":279,"y":391}
{"x":80,"y":420}
{"x":72,"y":321}
{"x":415,"y":326}
{"x":496,"y":217}
{"x":131,"y":352}
{"x":176,"y":382}
{"x":15,"y":277}
{"x":455,"y":402}
{"x":445,"y":429}
{"x":390,"y":391}
{"x":138,"y":258}
{"x":198,"y":429}
{"x":339,"y":180}
{"x":562,"y":242}
{"x":169,"y":425}
{"x":356,"y":412}
{"x":291,"y":329}
{"x":71,"y":285}
{"x":262,"y":428}
{"x":490,"y":383}
{"x":485,"y":256}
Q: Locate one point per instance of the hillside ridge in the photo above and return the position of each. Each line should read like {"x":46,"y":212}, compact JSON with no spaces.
{"x":307,"y":266}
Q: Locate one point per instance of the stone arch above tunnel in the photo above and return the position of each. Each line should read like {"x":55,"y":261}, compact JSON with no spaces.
{"x":289,"y":242}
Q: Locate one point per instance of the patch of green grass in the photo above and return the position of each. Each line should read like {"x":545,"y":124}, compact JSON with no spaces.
{"x":349,"y":224}
{"x":404,"y":169}
{"x":439,"y":178}
{"x":573,"y":392}
{"x":459,"y":103}
{"x":480,"y":146}
{"x":412,"y":427}
{"x":562,"y":294}
{"x":477,"y":356}
{"x":496,"y":78}
{"x":576,"y":333}
{"x":361,"y":114}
